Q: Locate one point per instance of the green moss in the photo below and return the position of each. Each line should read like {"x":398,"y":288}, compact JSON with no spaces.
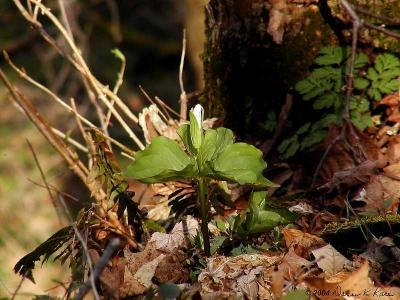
{"x":376,"y":39}
{"x":336,"y":227}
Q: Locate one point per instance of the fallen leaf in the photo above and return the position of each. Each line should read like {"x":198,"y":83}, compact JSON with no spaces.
{"x":379,"y":189}
{"x":330,"y":260}
{"x":234,"y":276}
{"x":393,"y":150}
{"x":350,"y":285}
{"x":303,"y":243}
{"x":146,"y":271}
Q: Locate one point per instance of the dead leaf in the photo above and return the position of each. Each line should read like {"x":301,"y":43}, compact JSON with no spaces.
{"x":162,"y":259}
{"x":340,"y":167}
{"x":393,"y":150}
{"x":146,"y":271}
{"x":303,"y":243}
{"x":350,"y":285}
{"x":279,"y":17}
{"x":234,"y":276}
{"x":176,"y":239}
{"x":302,"y":208}
{"x":330,"y":260}
{"x":379,"y":189}
{"x":154,"y":123}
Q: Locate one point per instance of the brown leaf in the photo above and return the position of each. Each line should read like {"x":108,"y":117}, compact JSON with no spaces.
{"x":153,"y":124}
{"x":340,"y":166}
{"x":355,"y":284}
{"x":330,"y":260}
{"x":303,"y":243}
{"x":234,"y":276}
{"x":378,"y":190}
{"x":393,"y":150}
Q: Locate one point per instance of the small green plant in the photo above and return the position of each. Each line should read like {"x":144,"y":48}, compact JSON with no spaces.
{"x":325,"y":87}
{"x":207,"y":154}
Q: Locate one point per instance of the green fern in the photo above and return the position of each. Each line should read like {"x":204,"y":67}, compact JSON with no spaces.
{"x":325,"y":88}
{"x":383,"y":76}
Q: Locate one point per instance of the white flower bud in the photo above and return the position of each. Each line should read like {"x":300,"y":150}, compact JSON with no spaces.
{"x":198,"y":112}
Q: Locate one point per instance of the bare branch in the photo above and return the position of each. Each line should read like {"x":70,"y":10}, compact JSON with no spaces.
{"x":101,"y":264}
{"x":85,"y":249}
{"x":183,"y":97}
{"x":53,"y":200}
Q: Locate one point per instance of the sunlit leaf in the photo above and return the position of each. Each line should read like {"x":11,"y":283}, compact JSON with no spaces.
{"x":240,"y":163}
{"x":163,"y":160}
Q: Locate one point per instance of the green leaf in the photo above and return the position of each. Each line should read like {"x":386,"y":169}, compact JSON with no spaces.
{"x":326,"y":101}
{"x":388,"y":87}
{"x":153,"y":225}
{"x":325,"y":122}
{"x":241,"y":249}
{"x":184,"y":133}
{"x":372,"y":74}
{"x":361,"y":83}
{"x":361,"y":60}
{"x":313,"y":139}
{"x":329,"y":56}
{"x":289,"y":146}
{"x":196,"y":132}
{"x":215,"y":141}
{"x":261,"y":218}
{"x":163,"y":160}
{"x":118,"y":54}
{"x":304,"y":128}
{"x":216,"y":243}
{"x":374,"y":93}
{"x":385,"y":62}
{"x":292,"y":149}
{"x":240,"y":163}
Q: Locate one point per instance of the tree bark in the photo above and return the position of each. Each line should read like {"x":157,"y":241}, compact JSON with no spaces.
{"x":256,"y":50}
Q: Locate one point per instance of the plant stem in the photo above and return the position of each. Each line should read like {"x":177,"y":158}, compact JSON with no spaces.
{"x":204,"y":214}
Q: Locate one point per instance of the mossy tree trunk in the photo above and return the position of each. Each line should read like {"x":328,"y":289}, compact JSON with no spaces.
{"x":251,"y":65}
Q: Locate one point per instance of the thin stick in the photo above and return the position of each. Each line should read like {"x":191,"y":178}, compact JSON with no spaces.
{"x":101,"y":90}
{"x":350,"y":77}
{"x":53,"y":200}
{"x":387,"y":20}
{"x":163,"y":111}
{"x":381,"y":29}
{"x":85,"y":249}
{"x":69,"y":140}
{"x":183,"y":97}
{"x":25,"y":76}
{"x":54,"y":189}
{"x":18,"y":287}
{"x":65,"y":18}
{"x":167,"y":107}
{"x":120,"y":80}
{"x":58,"y":144}
{"x":100,"y":265}
{"x":89,"y":143}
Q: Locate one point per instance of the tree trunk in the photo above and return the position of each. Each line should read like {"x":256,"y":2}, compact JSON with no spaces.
{"x":256,"y":50}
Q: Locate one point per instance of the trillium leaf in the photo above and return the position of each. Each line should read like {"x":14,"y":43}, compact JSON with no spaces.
{"x":240,"y":163}
{"x":261,"y":218}
{"x":184,"y":133}
{"x":196,"y":132}
{"x":215,"y":141}
{"x":163,"y":160}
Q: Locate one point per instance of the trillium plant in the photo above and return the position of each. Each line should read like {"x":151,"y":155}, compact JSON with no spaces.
{"x":206,"y":155}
